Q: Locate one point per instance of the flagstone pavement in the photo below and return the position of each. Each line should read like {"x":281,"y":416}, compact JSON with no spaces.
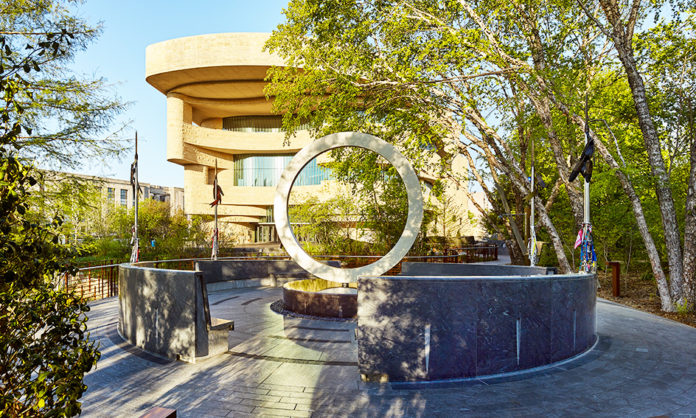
{"x":642,"y":366}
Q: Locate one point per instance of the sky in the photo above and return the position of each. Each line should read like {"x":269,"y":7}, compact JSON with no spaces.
{"x":118,"y":56}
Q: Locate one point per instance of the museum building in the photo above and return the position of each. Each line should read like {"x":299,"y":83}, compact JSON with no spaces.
{"x":217,"y":112}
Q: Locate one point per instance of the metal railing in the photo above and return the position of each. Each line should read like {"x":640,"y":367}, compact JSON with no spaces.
{"x":94,"y":282}
{"x":98,"y":282}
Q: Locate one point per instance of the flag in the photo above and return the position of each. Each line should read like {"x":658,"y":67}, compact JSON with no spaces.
{"x":578,"y":240}
{"x":217,"y":190}
{"x":217,"y":193}
{"x":134,"y":174}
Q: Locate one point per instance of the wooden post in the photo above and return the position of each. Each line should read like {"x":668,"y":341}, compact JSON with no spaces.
{"x":615,"y":278}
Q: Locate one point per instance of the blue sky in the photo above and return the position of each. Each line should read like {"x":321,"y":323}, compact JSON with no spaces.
{"x":119,"y":56}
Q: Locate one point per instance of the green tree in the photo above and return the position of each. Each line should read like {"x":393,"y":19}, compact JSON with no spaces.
{"x":75,"y":199}
{"x":490,"y":77}
{"x":325,"y":227}
{"x":416,"y":74}
{"x":69,"y":115}
{"x":366,"y":216}
{"x":43,"y":340}
{"x":172,"y":233}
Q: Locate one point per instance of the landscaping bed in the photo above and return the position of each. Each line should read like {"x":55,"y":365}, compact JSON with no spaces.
{"x":639,"y":291}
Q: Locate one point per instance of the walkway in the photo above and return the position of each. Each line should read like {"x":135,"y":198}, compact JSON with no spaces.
{"x":643,"y":365}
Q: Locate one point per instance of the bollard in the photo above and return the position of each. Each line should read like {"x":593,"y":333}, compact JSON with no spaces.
{"x":615,"y":278}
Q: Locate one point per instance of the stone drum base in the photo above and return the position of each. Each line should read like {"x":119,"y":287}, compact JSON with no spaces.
{"x":433,"y":328}
{"x":319,"y":297}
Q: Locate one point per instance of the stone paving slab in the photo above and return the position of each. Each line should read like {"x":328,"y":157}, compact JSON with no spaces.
{"x":643,"y":365}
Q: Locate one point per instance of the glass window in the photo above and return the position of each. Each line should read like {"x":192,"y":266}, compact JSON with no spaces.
{"x":110,"y":193}
{"x":265,"y":170}
{"x":124,"y":197}
{"x":265,"y":123}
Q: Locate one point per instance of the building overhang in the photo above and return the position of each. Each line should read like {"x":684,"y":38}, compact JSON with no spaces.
{"x":220,"y":75}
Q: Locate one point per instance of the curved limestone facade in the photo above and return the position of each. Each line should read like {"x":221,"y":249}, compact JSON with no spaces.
{"x":211,"y":81}
{"x":217,"y":110}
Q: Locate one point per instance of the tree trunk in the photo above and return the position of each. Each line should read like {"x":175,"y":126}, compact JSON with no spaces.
{"x":517,"y":179}
{"x":622,"y":38}
{"x":690,"y":220}
{"x":666,"y":300}
{"x":545,"y":220}
{"x":543,"y":109}
{"x":637,"y":207}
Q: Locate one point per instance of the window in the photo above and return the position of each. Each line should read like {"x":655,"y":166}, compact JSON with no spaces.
{"x":124,"y":197}
{"x":110,"y":194}
{"x":266,"y":123}
{"x":265,"y":170}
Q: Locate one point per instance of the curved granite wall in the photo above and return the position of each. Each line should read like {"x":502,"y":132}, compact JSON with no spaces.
{"x":304,"y":297}
{"x":471,"y":269}
{"x":235,"y":270}
{"x":431,"y":328}
{"x":163,"y":311}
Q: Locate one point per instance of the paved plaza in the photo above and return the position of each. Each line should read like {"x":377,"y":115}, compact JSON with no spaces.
{"x":643,"y":365}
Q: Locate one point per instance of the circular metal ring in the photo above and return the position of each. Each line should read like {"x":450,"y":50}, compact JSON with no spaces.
{"x":301,"y":159}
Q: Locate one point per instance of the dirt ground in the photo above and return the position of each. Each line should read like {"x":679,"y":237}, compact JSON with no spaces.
{"x":640,"y":293}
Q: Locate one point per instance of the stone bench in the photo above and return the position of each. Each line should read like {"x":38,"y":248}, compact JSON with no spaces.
{"x":218,"y":329}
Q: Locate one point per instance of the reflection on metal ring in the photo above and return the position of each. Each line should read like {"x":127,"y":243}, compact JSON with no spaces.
{"x":302,"y":158}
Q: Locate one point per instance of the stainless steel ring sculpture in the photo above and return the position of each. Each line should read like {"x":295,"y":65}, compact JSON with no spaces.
{"x":301,"y":159}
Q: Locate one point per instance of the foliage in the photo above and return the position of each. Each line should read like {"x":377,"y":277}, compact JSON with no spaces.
{"x":69,"y":115}
{"x":367,"y":214}
{"x":325,"y":227}
{"x":487,"y":79}
{"x":75,"y":199}
{"x":171,"y":232}
{"x":448,"y":218}
{"x":42,"y":329}
{"x":45,"y":350}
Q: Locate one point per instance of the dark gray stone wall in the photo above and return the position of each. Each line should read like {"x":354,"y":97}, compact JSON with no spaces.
{"x":454,"y":269}
{"x":431,"y":328}
{"x":163,"y":311}
{"x":227,"y":270}
{"x":331,"y":305}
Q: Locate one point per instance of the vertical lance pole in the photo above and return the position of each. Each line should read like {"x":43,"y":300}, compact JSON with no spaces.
{"x":135,"y":253}
{"x":137,"y":190}
{"x":587,"y":246}
{"x":586,"y":217}
{"x":532,"y":232}
{"x":215,"y":242}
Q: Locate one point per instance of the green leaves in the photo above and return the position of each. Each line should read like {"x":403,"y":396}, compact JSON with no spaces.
{"x":45,"y":349}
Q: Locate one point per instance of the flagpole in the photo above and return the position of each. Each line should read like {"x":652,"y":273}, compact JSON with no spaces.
{"x":135,"y":254}
{"x":215,"y":236}
{"x":590,"y":265}
{"x":532,"y":231}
